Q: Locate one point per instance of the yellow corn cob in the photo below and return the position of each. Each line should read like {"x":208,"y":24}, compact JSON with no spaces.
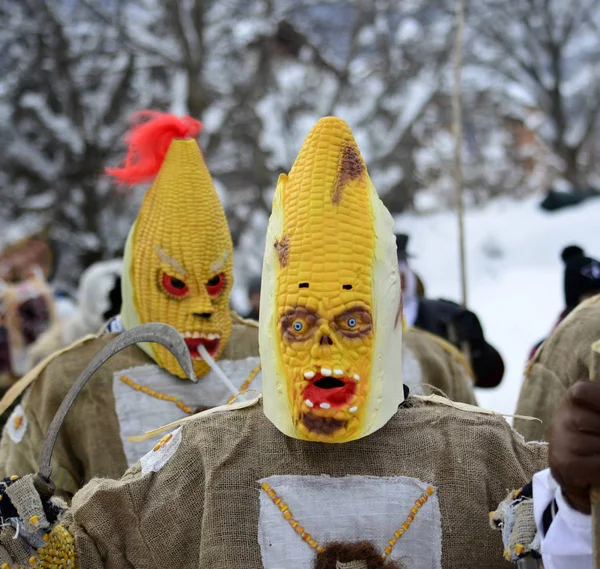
{"x":328,"y":233}
{"x":181,"y":231}
{"x":58,"y":553}
{"x":327,"y":189}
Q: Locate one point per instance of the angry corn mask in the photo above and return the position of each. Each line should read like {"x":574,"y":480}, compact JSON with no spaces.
{"x":330,"y":326}
{"x":179,"y":257}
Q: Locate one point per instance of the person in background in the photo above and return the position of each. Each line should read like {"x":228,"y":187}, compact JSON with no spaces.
{"x":566,"y":351}
{"x":99,"y":300}
{"x":563,"y":358}
{"x":412,"y":285}
{"x":254,"y":298}
{"x":36,"y":252}
{"x":582,"y":277}
{"x":17,"y":259}
{"x":429,"y":363}
{"x":581,"y":281}
{"x":26,"y":311}
{"x":403,"y":257}
{"x":450,"y":321}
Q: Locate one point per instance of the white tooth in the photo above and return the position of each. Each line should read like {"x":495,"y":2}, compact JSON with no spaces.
{"x":309,"y":403}
{"x":325,"y":371}
{"x":211,"y":336}
{"x":325,"y":406}
{"x":187,"y":335}
{"x":353,"y":409}
{"x":357,"y":377}
{"x":338,"y":372}
{"x":309,"y":374}
{"x":196,"y":335}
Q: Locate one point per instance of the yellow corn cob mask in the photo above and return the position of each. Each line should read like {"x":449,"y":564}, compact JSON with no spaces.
{"x":179,"y":258}
{"x":330,"y":327}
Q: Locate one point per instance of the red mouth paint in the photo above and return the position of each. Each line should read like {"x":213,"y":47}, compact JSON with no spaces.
{"x":336,"y":391}
{"x":211,"y":346}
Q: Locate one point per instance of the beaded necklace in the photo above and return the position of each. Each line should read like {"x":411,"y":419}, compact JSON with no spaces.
{"x":181,"y":404}
{"x":246,"y":383}
{"x":287,"y":515}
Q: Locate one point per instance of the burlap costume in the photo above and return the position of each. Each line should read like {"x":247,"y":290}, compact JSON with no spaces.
{"x":433,"y":364}
{"x":91,"y":443}
{"x":563,"y":359}
{"x":204,"y":507}
{"x":93,"y":440}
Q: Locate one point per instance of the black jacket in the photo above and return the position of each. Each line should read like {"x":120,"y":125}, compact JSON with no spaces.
{"x":460,"y":326}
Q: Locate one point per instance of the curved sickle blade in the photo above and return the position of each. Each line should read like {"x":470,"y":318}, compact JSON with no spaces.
{"x":158,"y":333}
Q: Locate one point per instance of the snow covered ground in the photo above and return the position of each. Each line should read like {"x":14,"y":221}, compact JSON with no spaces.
{"x":514,"y":273}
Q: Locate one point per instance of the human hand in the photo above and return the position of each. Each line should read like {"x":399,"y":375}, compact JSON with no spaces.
{"x":574,"y":444}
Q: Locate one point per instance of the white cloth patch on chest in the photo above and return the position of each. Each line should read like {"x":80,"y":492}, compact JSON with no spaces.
{"x":16,"y":426}
{"x":411,"y":369}
{"x":349,"y":509}
{"x":141,"y":411}
{"x":161,"y":453}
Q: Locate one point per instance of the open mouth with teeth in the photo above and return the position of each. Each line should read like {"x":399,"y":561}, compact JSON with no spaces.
{"x":329,"y":392}
{"x":210,"y":342}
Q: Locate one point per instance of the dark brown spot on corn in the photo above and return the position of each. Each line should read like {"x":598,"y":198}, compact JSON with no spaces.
{"x":283,"y":250}
{"x":322,"y":425}
{"x":351,"y":168}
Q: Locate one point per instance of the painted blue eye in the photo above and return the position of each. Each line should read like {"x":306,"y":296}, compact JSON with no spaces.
{"x":297,"y":326}
{"x":351,"y":322}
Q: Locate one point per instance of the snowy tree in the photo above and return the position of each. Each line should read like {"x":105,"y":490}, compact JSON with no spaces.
{"x":385,"y":63}
{"x":493,"y":162}
{"x":201,"y":46}
{"x":259,"y":73}
{"x":369,"y":64}
{"x":68,"y":87}
{"x":542,"y":58}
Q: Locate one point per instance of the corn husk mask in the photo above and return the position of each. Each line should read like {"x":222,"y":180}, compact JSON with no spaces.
{"x":178,"y":263}
{"x":330,"y":326}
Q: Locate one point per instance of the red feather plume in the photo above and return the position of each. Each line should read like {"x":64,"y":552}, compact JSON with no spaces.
{"x":148,"y":142}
